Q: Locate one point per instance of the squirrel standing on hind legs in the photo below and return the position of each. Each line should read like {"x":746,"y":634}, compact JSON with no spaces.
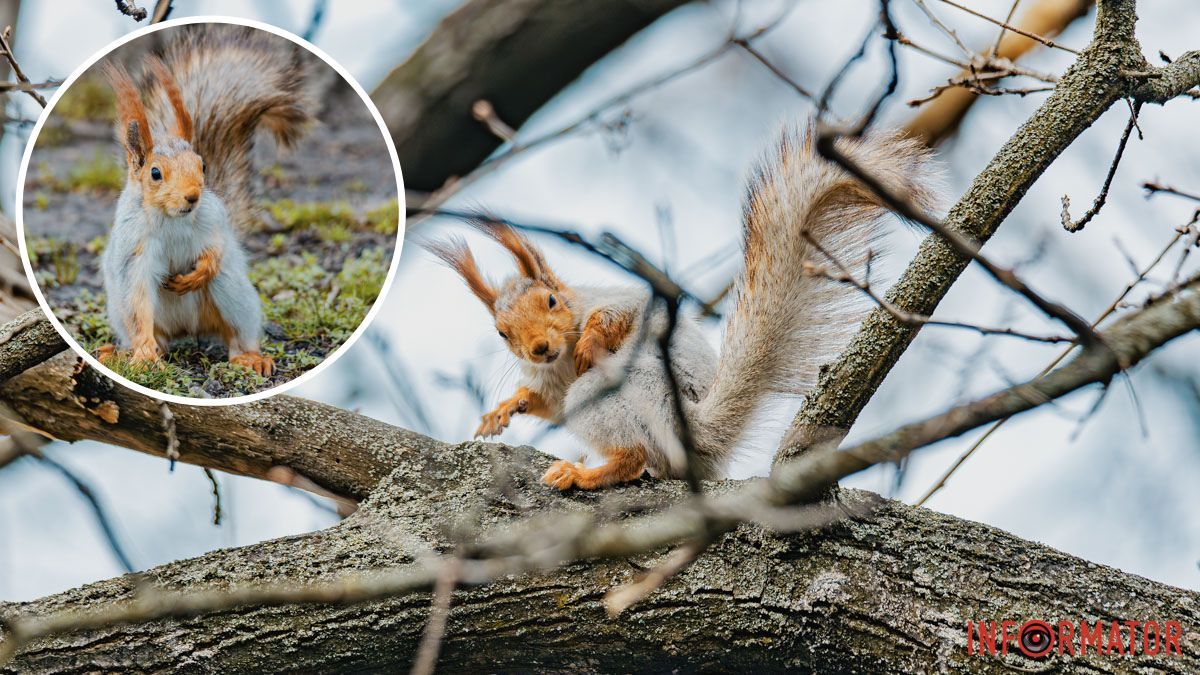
{"x":173,"y":265}
{"x":589,"y":355}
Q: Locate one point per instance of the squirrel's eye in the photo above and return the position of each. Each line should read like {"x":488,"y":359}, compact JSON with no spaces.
{"x":502,"y":334}
{"x":553,"y":301}
{"x":155,"y":173}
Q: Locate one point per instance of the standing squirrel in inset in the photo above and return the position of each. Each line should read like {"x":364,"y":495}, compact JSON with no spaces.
{"x":590,"y":359}
{"x":173,"y":265}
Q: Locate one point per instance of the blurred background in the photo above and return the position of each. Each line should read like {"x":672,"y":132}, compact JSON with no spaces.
{"x":665,"y":172}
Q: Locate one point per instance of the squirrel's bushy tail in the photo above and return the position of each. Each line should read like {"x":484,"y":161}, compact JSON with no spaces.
{"x":784,"y":323}
{"x":235,"y":80}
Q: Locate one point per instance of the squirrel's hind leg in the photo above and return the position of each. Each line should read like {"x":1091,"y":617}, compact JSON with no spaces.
{"x":241,"y":341}
{"x":624,"y":465}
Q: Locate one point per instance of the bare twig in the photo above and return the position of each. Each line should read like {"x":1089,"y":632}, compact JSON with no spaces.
{"x":129,"y":9}
{"x":1152,"y":188}
{"x":625,"y":596}
{"x":216,"y":492}
{"x":435,"y":627}
{"x":6,"y":45}
{"x":1012,"y":10}
{"x":1075,"y":226}
{"x":162,"y":10}
{"x":1007,"y":26}
{"x":483,"y":111}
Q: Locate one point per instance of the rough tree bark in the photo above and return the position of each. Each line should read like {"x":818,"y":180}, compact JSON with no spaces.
{"x":887,"y":593}
{"x":516,"y":54}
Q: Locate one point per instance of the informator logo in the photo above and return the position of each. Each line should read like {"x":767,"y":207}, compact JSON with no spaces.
{"x":1038,"y":639}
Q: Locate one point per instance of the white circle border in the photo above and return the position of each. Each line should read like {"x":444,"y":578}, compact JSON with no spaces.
{"x":20,"y":211}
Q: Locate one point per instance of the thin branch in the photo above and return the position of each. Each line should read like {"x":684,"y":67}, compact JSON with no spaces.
{"x":1152,"y":188}
{"x":1007,"y":26}
{"x":162,"y":10}
{"x":627,"y":595}
{"x":6,"y":45}
{"x":128,"y":8}
{"x":845,"y":276}
{"x":435,"y":627}
{"x":1075,"y":226}
{"x":1012,"y":10}
{"x":949,"y":32}
{"x":828,"y":149}
{"x":216,"y":492}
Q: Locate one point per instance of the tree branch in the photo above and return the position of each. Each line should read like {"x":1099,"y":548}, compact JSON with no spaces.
{"x":1094,"y":82}
{"x":888,"y":593}
{"x":337,"y":450}
{"x":515,"y":54}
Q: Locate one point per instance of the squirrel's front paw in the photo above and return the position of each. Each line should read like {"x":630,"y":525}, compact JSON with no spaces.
{"x":497,"y":420}
{"x":562,"y":475}
{"x":185,"y":283}
{"x":588,"y":351}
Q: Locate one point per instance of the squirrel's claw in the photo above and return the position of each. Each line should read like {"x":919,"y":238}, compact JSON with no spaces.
{"x":492,"y":423}
{"x":588,"y":351}
{"x":561,"y":475}
{"x":261,"y":364}
{"x":185,"y":283}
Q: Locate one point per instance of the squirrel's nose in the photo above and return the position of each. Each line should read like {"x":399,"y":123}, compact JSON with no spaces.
{"x":541,"y":348}
{"x":192,"y":198}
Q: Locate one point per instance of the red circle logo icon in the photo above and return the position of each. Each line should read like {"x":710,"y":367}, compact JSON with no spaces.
{"x":1035,"y":639}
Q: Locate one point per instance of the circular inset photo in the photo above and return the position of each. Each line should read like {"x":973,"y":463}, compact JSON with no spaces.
{"x":210,"y":210}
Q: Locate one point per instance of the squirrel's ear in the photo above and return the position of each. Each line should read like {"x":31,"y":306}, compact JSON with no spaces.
{"x":183,"y":120}
{"x":133,"y":129}
{"x":529,"y":257}
{"x":133,"y":145}
{"x":457,"y":256}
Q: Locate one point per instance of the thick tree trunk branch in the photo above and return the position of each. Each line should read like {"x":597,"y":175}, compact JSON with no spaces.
{"x":516,"y":54}
{"x":27,"y":341}
{"x":342,"y":452}
{"x":1097,"y":79}
{"x":887,"y":593}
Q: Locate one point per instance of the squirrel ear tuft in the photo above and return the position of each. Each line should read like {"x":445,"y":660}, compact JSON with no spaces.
{"x":529,"y":257}
{"x":132,"y":128}
{"x":133,"y":144}
{"x":183,"y":120}
{"x":457,"y":256}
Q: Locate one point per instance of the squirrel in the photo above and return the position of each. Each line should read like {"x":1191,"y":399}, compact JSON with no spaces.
{"x":173,"y":265}
{"x":590,"y":358}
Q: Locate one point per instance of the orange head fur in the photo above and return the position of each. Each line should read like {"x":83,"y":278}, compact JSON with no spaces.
{"x":532,"y":310}
{"x":169,"y":171}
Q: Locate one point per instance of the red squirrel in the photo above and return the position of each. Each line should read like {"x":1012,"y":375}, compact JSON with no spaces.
{"x":174,"y":265}
{"x":590,"y":358}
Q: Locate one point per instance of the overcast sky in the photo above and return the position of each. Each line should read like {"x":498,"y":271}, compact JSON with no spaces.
{"x":1101,"y":489}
